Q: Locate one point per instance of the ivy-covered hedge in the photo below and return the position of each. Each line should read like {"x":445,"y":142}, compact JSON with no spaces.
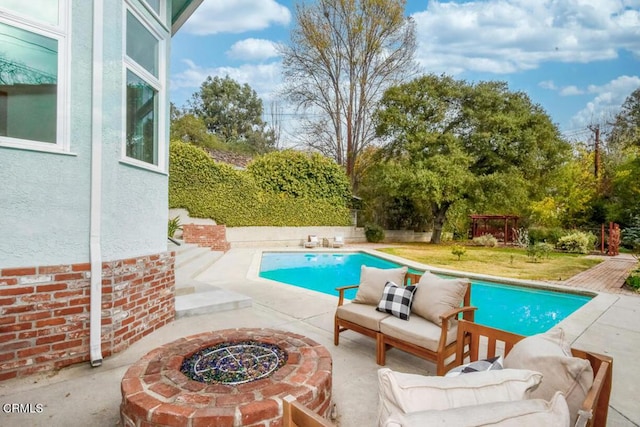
{"x":208,"y":189}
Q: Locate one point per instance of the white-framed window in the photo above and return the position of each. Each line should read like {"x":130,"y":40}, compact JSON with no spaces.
{"x":145,"y":90}
{"x":33,"y":74}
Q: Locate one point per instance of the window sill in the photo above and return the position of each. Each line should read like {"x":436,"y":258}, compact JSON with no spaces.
{"x":53,"y":149}
{"x":142,"y":165}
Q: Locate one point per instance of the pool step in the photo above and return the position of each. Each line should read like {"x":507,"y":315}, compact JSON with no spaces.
{"x":194,"y":297}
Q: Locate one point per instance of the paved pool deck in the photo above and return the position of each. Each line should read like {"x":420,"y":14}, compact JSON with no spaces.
{"x":85,"y":396}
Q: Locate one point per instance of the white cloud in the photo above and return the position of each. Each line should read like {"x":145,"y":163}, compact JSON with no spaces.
{"x":265,"y":79}
{"x":505,"y":36}
{"x":571,"y":90}
{"x":609,"y":97}
{"x":236,"y":16}
{"x":548,"y":84}
{"x":253,"y":49}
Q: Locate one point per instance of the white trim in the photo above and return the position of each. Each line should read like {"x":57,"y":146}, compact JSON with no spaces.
{"x":159,"y":83}
{"x":62,"y":35}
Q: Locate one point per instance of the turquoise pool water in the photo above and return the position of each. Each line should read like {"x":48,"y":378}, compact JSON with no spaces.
{"x":523,"y":310}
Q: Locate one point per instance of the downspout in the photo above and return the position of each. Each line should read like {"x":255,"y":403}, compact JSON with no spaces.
{"x":95,"y":319}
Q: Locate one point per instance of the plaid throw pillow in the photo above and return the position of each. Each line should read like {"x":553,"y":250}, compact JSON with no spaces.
{"x":491,"y":364}
{"x":396,"y":300}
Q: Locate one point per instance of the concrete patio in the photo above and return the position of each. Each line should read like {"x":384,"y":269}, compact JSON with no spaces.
{"x":82,"y":396}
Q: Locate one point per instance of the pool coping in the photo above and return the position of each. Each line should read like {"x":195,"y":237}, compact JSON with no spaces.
{"x":574,"y":325}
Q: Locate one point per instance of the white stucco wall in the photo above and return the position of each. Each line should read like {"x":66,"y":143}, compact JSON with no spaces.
{"x":45,"y":197}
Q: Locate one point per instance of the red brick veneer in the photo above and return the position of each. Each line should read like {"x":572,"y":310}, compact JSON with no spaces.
{"x":155,"y":393}
{"x":44,"y":311}
{"x":209,"y":236}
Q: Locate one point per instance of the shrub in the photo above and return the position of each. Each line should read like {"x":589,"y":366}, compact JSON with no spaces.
{"x":521,"y":237}
{"x":544,"y":234}
{"x":208,"y":189}
{"x":486,"y":240}
{"x":300,"y":175}
{"x":633,"y":281}
{"x":458,"y":251}
{"x":539,"y":250}
{"x":577,"y":242}
{"x":374,"y":233}
{"x":631,"y":237}
{"x":174,"y":225}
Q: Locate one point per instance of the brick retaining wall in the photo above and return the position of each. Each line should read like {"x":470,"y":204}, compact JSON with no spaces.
{"x":44,"y":310}
{"x":205,"y":235}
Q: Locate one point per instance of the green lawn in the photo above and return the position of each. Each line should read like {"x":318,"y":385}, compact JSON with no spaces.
{"x":500,"y":261}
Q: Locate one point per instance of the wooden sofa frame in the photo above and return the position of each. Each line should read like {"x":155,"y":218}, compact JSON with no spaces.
{"x":385,"y":342}
{"x":295,"y":414}
{"x":472,"y":335}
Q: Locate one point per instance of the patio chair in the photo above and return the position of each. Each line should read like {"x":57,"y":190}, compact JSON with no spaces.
{"x":297,"y":415}
{"x":338,"y":241}
{"x":312,"y":241}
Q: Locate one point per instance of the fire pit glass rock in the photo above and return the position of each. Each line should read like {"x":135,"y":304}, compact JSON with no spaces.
{"x":234,"y":362}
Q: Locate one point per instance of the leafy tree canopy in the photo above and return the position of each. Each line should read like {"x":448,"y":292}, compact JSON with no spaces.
{"x":626,"y":127}
{"x":451,"y":140}
{"x":232,"y":112}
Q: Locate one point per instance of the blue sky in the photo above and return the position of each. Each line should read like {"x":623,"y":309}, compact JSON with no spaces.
{"x":578,"y":59}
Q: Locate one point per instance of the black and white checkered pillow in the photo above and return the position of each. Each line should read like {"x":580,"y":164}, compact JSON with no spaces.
{"x":491,"y":364}
{"x":396,"y":300}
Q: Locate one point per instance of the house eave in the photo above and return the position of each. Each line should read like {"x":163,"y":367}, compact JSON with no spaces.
{"x":181,"y":10}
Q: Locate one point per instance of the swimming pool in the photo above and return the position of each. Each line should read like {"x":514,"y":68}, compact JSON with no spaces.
{"x":523,"y":310}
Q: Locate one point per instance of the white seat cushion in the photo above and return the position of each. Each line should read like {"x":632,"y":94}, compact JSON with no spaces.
{"x":362,"y":314}
{"x":417,"y":331}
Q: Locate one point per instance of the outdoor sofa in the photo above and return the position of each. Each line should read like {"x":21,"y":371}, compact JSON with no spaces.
{"x":414,"y":313}
{"x":544,"y":382}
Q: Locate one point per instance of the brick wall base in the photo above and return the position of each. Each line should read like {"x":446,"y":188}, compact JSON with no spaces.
{"x":207,"y":236}
{"x":44,"y":311}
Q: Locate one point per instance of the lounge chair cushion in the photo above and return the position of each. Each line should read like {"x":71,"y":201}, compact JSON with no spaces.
{"x":361,"y":314}
{"x":373,"y":280}
{"x":523,"y":413}
{"x":550,"y":354}
{"x":418,"y":331}
{"x":401,"y":393}
{"x":396,"y":300}
{"x":435,"y":296}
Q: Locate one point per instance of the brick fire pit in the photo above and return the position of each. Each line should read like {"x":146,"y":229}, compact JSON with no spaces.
{"x":156,"y":392}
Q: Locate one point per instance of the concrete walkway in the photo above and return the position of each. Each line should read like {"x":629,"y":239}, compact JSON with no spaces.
{"x":85,"y":396}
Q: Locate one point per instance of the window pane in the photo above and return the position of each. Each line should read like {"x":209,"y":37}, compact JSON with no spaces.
{"x":155,"y":5}
{"x":28,"y":85}
{"x":142,"y":46}
{"x":141,"y":120}
{"x":40,"y":10}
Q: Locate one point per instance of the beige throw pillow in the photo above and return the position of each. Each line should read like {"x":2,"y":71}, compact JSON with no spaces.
{"x":435,"y":296}
{"x":550,"y":354}
{"x":373,"y":280}
{"x":401,"y":393}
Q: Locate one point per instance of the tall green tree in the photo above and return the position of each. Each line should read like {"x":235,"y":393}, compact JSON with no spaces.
{"x":626,"y":126}
{"x":342,"y":55}
{"x":232,"y":112}
{"x":452,"y":141}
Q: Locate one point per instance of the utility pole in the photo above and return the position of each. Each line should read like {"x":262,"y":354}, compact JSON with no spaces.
{"x":596,"y":161}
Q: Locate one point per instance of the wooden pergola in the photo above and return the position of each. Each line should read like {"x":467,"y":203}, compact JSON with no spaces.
{"x":499,"y":226}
